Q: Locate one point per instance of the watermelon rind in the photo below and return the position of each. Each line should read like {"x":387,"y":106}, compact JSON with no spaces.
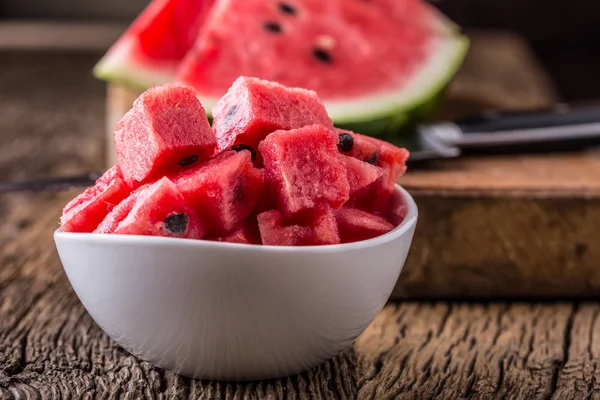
{"x":447,"y":55}
{"x":120,"y":67}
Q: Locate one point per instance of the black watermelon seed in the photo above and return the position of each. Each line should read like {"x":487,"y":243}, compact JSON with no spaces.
{"x":287,"y":8}
{"x":272,"y":27}
{"x":346,"y":142}
{"x":373,"y":158}
{"x":240,"y":147}
{"x":188,"y":160}
{"x":322,"y":55}
{"x":176,"y":223}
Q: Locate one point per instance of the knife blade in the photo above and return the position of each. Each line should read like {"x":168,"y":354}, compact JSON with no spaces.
{"x":556,"y":129}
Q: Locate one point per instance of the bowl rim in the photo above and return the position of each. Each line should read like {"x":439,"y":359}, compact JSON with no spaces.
{"x":105,"y":239}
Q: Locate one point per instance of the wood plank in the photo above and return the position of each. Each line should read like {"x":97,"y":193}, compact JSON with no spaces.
{"x":59,"y":35}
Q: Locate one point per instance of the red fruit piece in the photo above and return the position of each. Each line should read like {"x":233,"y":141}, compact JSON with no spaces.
{"x":223,"y":191}
{"x":247,"y":233}
{"x":355,"y":225}
{"x":390,"y":158}
{"x":87,"y":210}
{"x":317,"y":227}
{"x":252,"y":108}
{"x":304,"y":168}
{"x":119,"y":213}
{"x":166,"y":129}
{"x":392,"y":161}
{"x":360,"y":173}
{"x":160,"y":210}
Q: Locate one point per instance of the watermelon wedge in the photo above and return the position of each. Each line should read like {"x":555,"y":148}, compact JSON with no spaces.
{"x":150,"y":50}
{"x":364,"y":64}
{"x":376,"y":64}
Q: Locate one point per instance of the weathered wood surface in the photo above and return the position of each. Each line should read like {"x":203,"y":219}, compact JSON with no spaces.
{"x":50,"y":123}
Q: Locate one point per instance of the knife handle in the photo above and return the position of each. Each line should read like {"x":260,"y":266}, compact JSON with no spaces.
{"x":557,"y":128}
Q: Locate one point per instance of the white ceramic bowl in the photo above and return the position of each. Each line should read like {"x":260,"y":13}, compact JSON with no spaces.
{"x":228,"y":311}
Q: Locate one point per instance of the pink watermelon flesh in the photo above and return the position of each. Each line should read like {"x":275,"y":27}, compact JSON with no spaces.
{"x":87,"y":210}
{"x":355,"y":225}
{"x":253,"y":108}
{"x":391,"y":160}
{"x":360,"y":173}
{"x":161,"y":210}
{"x":341,"y":49}
{"x":318,"y":227}
{"x":113,"y":219}
{"x":303,"y":168}
{"x":158,"y":40}
{"x":223,"y":191}
{"x":166,"y":130}
{"x":247,"y":232}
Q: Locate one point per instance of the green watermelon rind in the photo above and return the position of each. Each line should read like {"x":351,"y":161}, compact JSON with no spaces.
{"x":131,"y":74}
{"x":425,"y":85}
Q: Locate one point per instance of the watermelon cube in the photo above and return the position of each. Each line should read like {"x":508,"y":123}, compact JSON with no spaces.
{"x":252,"y":108}
{"x":392,"y":161}
{"x":165,"y":130}
{"x":390,"y":158}
{"x":360,"y":173}
{"x":304,"y":168}
{"x":87,"y":210}
{"x":118,"y":214}
{"x":223,"y":191}
{"x":159,"y":209}
{"x":316,"y":227}
{"x":247,"y":232}
{"x":355,"y":225}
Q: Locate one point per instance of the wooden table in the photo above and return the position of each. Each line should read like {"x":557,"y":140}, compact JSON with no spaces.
{"x":51,"y":114}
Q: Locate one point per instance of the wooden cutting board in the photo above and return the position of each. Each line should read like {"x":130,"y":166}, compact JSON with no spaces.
{"x":492,"y":227}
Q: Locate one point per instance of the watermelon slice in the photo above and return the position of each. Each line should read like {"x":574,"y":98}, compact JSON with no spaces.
{"x":366,"y":62}
{"x":304,"y":168}
{"x":317,"y":227}
{"x":166,"y":130}
{"x":223,"y":191}
{"x":87,"y":210}
{"x":253,"y":108}
{"x":151,"y":49}
{"x":355,"y":225}
{"x":159,"y":209}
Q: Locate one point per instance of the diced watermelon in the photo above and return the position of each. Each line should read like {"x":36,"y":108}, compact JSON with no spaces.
{"x":304,"y":168}
{"x":360,"y":173}
{"x":390,"y":158}
{"x":160,"y":210}
{"x":317,"y":228}
{"x":166,"y":130}
{"x":392,"y":161}
{"x":87,"y":210}
{"x":223,"y":191}
{"x":119,"y":213}
{"x":247,"y":232}
{"x":355,"y":225}
{"x":253,"y":108}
